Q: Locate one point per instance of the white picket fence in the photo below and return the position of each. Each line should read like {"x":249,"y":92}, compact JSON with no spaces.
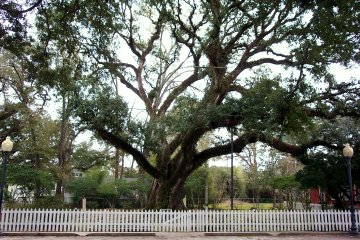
{"x":28,"y":220}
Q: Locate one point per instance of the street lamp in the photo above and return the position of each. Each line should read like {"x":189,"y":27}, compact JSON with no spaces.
{"x":348,"y":152}
{"x":6,"y":148}
{"x":232,"y":169}
{"x":231,"y":125}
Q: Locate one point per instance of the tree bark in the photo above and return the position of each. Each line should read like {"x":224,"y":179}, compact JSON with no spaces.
{"x":167,"y":194}
{"x":64,"y":149}
{"x":117,"y":161}
{"x":36,"y":159}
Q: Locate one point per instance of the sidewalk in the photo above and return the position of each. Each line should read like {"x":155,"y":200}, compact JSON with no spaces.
{"x":179,"y":235}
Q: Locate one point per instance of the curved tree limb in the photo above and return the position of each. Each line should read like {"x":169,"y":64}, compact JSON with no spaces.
{"x":122,"y":144}
{"x":253,"y":137}
{"x":7,"y":113}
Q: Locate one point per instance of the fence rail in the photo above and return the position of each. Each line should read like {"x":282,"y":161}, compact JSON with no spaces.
{"x":29,"y":220}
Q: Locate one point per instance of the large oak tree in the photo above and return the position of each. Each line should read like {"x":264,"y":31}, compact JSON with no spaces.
{"x":200,"y":66}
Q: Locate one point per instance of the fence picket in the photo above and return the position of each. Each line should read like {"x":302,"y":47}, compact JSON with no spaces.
{"x":24,"y":220}
{"x":8,"y":226}
{"x":37,"y":220}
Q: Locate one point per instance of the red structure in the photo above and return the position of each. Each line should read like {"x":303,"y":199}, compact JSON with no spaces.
{"x":317,"y":197}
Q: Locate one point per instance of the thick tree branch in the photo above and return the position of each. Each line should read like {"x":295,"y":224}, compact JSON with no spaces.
{"x":177,"y":91}
{"x":253,"y":137}
{"x":113,"y":68}
{"x":15,"y":12}
{"x":150,"y":46}
{"x":7,"y":113}
{"x":261,"y":61}
{"x":124,"y":145}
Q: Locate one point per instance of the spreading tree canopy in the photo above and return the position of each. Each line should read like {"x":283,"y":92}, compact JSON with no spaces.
{"x":262,"y":67}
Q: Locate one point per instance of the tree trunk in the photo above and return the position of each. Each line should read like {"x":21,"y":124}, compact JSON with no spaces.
{"x":37,"y":163}
{"x":64,"y":150}
{"x":117,"y":161}
{"x":167,"y":195}
{"x":122,"y":166}
{"x":58,"y":190}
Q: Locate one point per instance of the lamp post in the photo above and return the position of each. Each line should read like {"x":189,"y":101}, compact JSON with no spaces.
{"x":6,"y":148}
{"x":232,"y":169}
{"x":231,"y":125}
{"x":348,"y":152}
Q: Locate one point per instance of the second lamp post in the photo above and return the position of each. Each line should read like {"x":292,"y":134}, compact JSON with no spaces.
{"x":6,"y":148}
{"x":348,"y":152}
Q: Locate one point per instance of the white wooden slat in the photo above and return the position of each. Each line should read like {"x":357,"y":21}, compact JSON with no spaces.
{"x":318,"y":221}
{"x":87,"y":216}
{"x":97,"y":219}
{"x":24,"y":221}
{"x":279,"y":221}
{"x":301,"y":221}
{"x":289,"y":220}
{"x":29,"y":226}
{"x":100,"y":221}
{"x":51,"y":214}
{"x":336,"y":220}
{"x":294,"y":221}
{"x":58,"y":221}
{"x":219,"y":221}
{"x":341,"y":220}
{"x":17,"y":220}
{"x":332,"y":221}
{"x":55,"y":222}
{"x":14,"y":216}
{"x":116,"y":221}
{"x":10,"y":220}
{"x":347,"y":219}
{"x":36,"y":219}
{"x":68,"y":221}
{"x":44,"y":221}
{"x":3,"y":219}
{"x":135,"y":221}
{"x":6,"y":221}
{"x":71,"y":221}
{"x":342,"y":216}
{"x":122,"y":220}
{"x":41,"y":220}
{"x":246,"y":221}
{"x":274,"y":222}
{"x":256,"y":222}
{"x":311,"y":220}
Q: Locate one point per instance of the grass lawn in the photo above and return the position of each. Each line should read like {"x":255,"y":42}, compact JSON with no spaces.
{"x":238,"y":205}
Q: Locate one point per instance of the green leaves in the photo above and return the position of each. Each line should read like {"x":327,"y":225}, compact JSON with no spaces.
{"x":269,"y":107}
{"x":96,"y":183}
{"x":285,"y":183}
{"x":104,"y":108}
{"x":28,"y":179}
{"x":186,"y":114}
{"x":84,"y":157}
{"x":323,"y":170}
